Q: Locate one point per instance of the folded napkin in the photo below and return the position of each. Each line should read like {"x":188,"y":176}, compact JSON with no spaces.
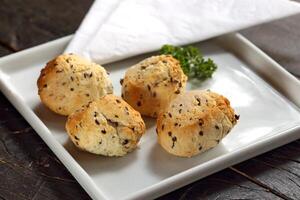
{"x":115,"y":29}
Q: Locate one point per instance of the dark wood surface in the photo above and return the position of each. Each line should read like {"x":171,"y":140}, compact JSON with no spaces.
{"x":28,"y":168}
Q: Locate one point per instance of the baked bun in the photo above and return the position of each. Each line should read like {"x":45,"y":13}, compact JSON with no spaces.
{"x":150,"y":85}
{"x":107,"y":126}
{"x":69,"y":82}
{"x":195,"y":122}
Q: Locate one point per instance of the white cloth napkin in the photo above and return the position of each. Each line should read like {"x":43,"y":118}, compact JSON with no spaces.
{"x":117,"y":29}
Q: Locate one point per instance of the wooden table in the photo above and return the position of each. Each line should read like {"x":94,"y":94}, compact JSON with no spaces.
{"x":28,"y":168}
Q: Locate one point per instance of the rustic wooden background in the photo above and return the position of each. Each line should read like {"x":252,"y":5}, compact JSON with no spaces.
{"x":28,"y":168}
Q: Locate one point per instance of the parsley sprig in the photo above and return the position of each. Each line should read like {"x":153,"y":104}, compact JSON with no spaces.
{"x":192,"y":62}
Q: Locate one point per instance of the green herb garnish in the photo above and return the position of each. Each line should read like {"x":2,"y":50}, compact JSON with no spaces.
{"x":192,"y":62}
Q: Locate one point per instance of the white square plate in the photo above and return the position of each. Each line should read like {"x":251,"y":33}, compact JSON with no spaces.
{"x":268,"y":119}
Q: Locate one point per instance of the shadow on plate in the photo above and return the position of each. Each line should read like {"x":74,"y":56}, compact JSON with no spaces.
{"x":149,"y":122}
{"x":52,"y":120}
{"x":165,"y":165}
{"x":97,"y":164}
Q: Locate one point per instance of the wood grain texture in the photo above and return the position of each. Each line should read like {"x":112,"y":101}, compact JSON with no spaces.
{"x":4,"y":51}
{"x":223,"y":185}
{"x":279,"y":170}
{"x":26,"y":23}
{"x":28,"y":168}
{"x":280,"y":40}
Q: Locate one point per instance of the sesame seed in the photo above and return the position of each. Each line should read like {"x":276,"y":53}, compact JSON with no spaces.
{"x":201,"y":122}
{"x":174,"y":139}
{"x":125,"y":142}
{"x":199,"y":101}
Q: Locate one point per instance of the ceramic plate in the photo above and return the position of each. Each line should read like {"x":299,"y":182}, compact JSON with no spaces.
{"x":245,"y":75}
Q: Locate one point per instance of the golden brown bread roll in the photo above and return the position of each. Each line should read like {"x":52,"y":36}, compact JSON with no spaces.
{"x":69,"y":82}
{"x":151,"y":84}
{"x":108,"y":126}
{"x":195,"y":122}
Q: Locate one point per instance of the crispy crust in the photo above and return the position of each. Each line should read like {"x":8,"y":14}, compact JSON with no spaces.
{"x":150,"y":85}
{"x":195,"y":122}
{"x":108,"y":126}
{"x":69,"y":82}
